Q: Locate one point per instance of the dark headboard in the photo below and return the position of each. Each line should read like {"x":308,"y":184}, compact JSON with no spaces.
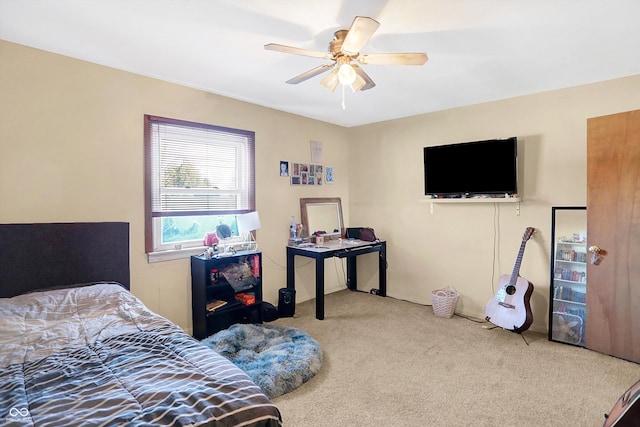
{"x":43,"y":255}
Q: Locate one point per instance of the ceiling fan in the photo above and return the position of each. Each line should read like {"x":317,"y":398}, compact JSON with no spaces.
{"x":344,"y":52}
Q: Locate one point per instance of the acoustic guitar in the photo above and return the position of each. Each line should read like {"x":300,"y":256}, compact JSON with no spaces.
{"x":626,"y":411}
{"x":510,"y":308}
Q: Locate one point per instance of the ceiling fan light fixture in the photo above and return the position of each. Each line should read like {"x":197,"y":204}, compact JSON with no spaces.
{"x":346,"y":74}
{"x":358,"y":84}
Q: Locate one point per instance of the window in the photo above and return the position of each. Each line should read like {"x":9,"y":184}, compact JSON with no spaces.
{"x":196,"y":177}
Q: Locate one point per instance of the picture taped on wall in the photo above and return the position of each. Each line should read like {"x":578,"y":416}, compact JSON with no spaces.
{"x":284,"y":168}
{"x":329,"y":175}
{"x":316,"y":151}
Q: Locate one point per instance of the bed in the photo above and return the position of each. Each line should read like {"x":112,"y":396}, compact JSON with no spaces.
{"x":78,"y":348}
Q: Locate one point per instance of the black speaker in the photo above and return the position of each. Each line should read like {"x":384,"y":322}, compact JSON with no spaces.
{"x":286,"y":302}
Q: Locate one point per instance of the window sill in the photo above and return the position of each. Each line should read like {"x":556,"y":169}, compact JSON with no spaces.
{"x":171,"y":255}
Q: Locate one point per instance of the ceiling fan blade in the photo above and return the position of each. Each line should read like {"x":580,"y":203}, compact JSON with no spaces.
{"x":297,"y":50}
{"x":311,"y":73}
{"x":359,"y":34}
{"x":360,"y":72}
{"x":393,"y":58}
{"x":331,"y":80}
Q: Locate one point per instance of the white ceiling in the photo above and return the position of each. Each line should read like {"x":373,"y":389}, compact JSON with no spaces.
{"x":479,"y":50}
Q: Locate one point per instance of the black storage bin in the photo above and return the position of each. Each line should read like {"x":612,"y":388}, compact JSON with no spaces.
{"x":286,"y":302}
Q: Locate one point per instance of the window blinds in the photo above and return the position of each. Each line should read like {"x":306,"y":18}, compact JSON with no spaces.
{"x":199,"y":169}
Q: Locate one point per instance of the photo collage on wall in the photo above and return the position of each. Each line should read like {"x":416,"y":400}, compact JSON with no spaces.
{"x":313,"y":173}
{"x":306,"y":174}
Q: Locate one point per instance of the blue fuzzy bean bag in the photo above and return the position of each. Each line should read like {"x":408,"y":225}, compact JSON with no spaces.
{"x":278,"y":359}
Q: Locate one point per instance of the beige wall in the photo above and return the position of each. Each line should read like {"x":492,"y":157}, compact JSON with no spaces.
{"x":71,"y":150}
{"x":468,"y":246}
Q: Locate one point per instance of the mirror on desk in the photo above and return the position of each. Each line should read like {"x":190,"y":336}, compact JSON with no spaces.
{"x":322,"y":214}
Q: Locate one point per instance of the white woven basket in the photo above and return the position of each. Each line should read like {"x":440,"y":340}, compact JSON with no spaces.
{"x":444,"y":301}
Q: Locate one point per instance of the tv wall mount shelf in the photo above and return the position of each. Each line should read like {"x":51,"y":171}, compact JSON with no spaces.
{"x":515,"y":200}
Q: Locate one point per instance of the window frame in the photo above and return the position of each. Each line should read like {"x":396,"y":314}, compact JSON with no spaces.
{"x":153,"y":217}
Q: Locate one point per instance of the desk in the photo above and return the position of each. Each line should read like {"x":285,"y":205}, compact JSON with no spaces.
{"x":347,"y":249}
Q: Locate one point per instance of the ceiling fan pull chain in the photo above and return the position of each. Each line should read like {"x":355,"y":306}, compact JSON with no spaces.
{"x":344,"y":106}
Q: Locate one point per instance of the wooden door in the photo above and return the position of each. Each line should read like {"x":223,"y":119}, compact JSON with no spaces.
{"x":613,"y":215}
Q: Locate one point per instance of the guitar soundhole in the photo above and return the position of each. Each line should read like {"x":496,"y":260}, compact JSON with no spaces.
{"x":511,"y":289}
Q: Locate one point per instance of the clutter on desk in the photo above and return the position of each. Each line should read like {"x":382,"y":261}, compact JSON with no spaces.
{"x":299,"y":241}
{"x":295,"y":230}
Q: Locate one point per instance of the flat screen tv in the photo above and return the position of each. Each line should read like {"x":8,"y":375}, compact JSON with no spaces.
{"x":472,"y":169}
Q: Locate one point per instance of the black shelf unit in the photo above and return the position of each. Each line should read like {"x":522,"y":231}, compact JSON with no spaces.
{"x":223,"y":278}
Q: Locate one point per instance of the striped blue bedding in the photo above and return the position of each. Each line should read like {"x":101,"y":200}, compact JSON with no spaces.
{"x":97,"y":356}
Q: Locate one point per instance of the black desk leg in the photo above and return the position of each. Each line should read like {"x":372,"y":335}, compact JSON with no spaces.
{"x":382,"y":268}
{"x":291,"y":277}
{"x":352,"y":273}
{"x":319,"y":288}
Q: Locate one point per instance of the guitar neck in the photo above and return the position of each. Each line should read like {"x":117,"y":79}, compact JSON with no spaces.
{"x":516,"y":267}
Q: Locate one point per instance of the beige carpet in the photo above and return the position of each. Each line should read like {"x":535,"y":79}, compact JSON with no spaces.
{"x":393,"y":363}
